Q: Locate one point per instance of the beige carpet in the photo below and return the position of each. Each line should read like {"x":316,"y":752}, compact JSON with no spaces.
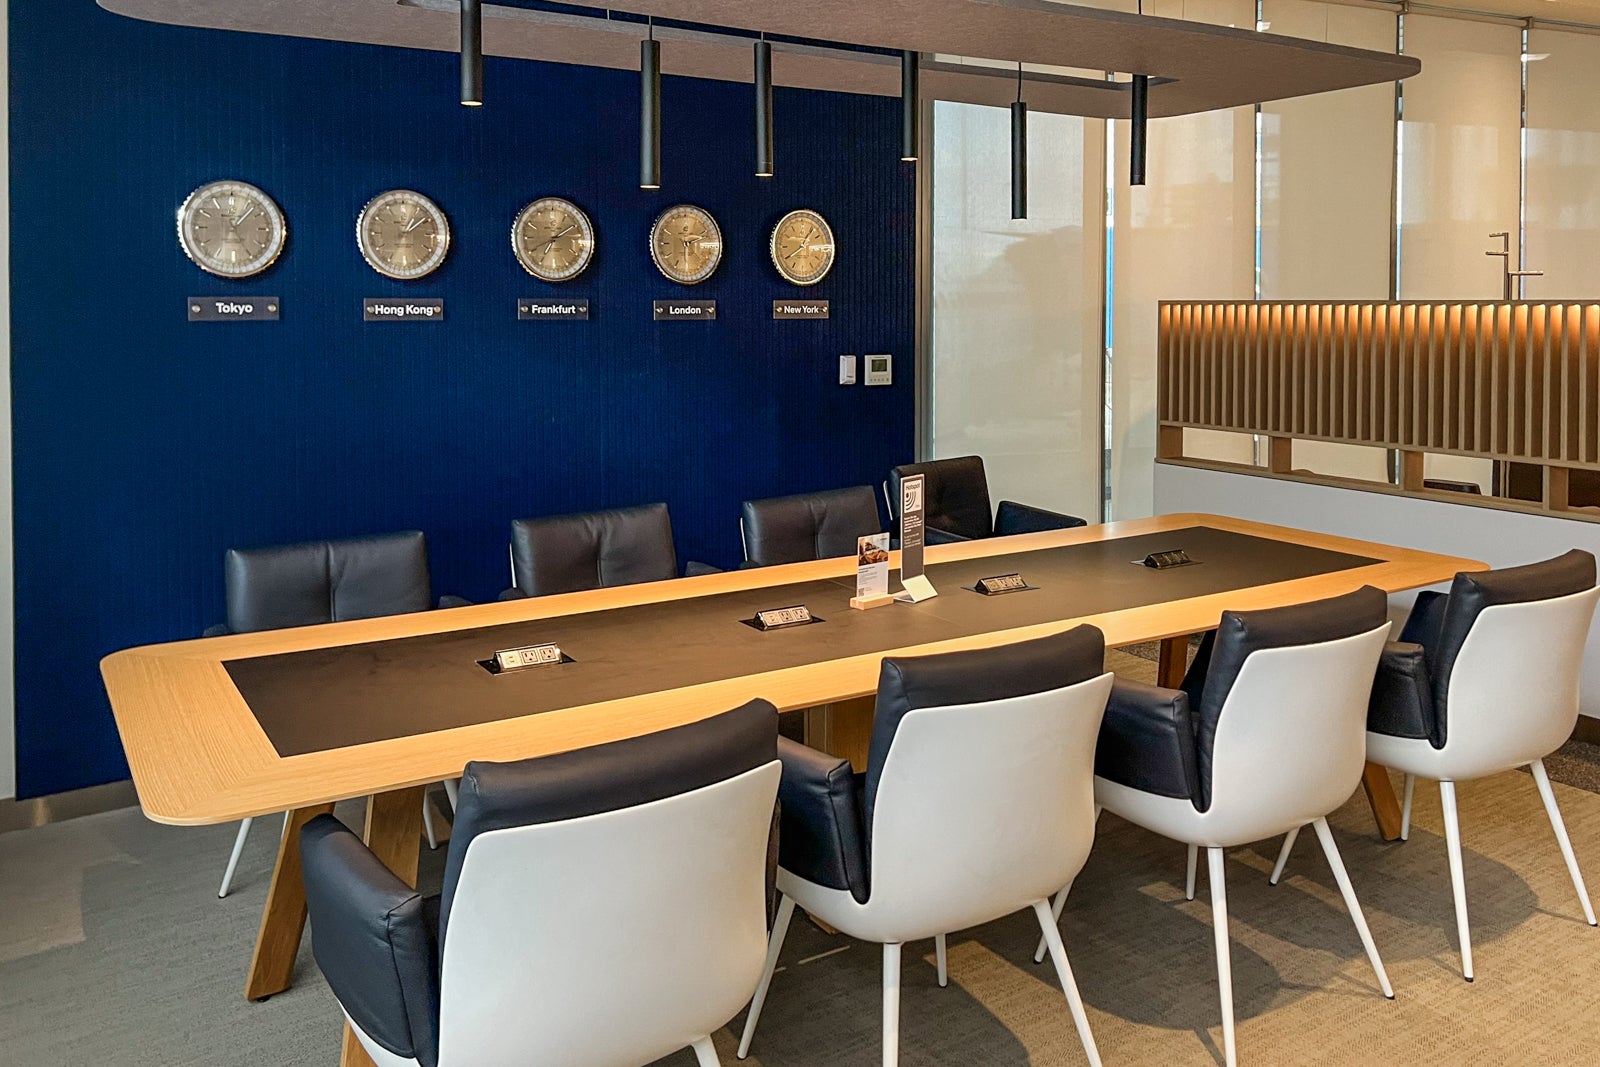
{"x":114,"y":950}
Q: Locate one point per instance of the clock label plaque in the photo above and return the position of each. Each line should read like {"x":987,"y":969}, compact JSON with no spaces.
{"x":382,"y":309}
{"x":233,"y":308}
{"x":685,"y":310}
{"x":543,"y":309}
{"x":799,"y":309}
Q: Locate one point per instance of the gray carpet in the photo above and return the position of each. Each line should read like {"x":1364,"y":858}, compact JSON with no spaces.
{"x":114,"y":949}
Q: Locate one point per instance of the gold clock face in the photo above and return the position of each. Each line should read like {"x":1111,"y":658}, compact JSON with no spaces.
{"x":231,"y":229}
{"x":802,"y":247}
{"x":553,"y":239}
{"x":686,"y":244}
{"x":403,"y":234}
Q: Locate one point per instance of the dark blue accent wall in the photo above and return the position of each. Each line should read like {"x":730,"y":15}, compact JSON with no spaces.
{"x":146,"y":446}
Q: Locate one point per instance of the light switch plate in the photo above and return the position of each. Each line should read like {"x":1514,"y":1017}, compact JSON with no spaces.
{"x":880,"y":370}
{"x":847,"y":370}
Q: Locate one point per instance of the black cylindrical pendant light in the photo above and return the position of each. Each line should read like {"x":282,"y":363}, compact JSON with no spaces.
{"x":910,"y":64}
{"x":471,"y":53}
{"x":1141,"y":114}
{"x":650,"y":113}
{"x":763,"y":109}
{"x":1019,"y":153}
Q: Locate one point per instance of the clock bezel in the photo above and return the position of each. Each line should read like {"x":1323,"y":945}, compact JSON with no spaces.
{"x":668,"y":272}
{"x":269,"y":205}
{"x":430,"y":207}
{"x":833,"y":246}
{"x":584,"y":223}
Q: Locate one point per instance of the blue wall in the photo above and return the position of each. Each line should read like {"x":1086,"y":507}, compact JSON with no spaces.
{"x":146,"y":446}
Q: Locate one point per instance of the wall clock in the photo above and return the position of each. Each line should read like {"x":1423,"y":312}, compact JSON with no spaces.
{"x":231,"y":229}
{"x":802,"y":247}
{"x":403,"y":234}
{"x":553,"y":239}
{"x":686,"y":244}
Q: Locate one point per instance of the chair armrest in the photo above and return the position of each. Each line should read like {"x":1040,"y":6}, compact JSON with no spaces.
{"x":512,"y":594}
{"x":932,"y":535}
{"x":1147,"y":741}
{"x":1015,"y":518}
{"x":1402,"y":693}
{"x":694,"y":568}
{"x":449,"y":601}
{"x":375,"y":939}
{"x":1426,"y":620}
{"x":820,"y":837}
{"x":219,"y":630}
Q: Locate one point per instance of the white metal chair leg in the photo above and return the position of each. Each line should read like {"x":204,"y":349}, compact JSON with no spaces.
{"x":1058,"y":954}
{"x":780,"y":929}
{"x":1405,"y":808}
{"x":451,"y":791}
{"x":891,"y":1005}
{"x":233,"y":860}
{"x":427,"y":821}
{"x":1194,"y":863}
{"x":1549,"y":797}
{"x":1219,"y":923}
{"x":1283,"y":855}
{"x":940,"y":958}
{"x":706,"y":1053}
{"x":1056,"y":909}
{"x":1342,"y":876}
{"x":1458,"y":882}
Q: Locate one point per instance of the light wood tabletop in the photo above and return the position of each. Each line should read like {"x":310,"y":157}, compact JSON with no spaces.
{"x":199,"y":755}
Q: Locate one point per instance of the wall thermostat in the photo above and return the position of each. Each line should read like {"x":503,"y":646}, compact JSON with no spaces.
{"x":878,"y":370}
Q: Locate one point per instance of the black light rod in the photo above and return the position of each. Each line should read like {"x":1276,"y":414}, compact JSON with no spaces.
{"x":910,"y":64}
{"x":1019,"y":160}
{"x":650,"y":114}
{"x":1136,"y":138}
{"x":471,"y":53}
{"x":764,"y":144}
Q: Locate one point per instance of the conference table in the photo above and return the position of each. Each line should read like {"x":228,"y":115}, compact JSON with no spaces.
{"x":222,"y":728}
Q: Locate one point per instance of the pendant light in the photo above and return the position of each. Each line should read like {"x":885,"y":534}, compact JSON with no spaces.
{"x":471,"y":53}
{"x":1141,"y":115}
{"x":650,"y":111}
{"x":763,"y":108}
{"x":910,"y":62}
{"x":1019,"y":153}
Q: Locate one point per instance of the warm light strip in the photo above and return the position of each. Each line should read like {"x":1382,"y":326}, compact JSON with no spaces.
{"x":1508,"y":381}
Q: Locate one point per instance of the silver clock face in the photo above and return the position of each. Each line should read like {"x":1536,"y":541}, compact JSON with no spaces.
{"x":553,"y":239}
{"x":403,"y":234}
{"x":231,"y":229}
{"x":686,"y":244}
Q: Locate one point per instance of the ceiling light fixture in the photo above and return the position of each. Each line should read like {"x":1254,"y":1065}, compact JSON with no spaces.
{"x":471,"y":53}
{"x":764,"y":108}
{"x":1140,"y":114}
{"x":910,"y":63}
{"x":650,"y":111}
{"x":1019,"y":154}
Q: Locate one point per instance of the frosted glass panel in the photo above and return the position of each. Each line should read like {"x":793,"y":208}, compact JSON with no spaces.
{"x":1563,"y":211}
{"x":1188,"y":234}
{"x":1017,"y":307}
{"x":1460,"y":141}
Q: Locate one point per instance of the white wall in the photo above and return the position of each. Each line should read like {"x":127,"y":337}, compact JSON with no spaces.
{"x":1499,"y":538}
{"x":8,"y":746}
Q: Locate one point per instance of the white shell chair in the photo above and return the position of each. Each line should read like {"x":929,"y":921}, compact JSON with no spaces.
{"x":977,"y":803}
{"x":542,"y":949}
{"x":1483,"y":680}
{"x":1267,"y":734}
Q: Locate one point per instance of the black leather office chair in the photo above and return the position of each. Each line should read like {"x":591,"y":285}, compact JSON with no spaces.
{"x":955,"y":504}
{"x":318,"y":582}
{"x":1267,"y":734}
{"x":593,"y":550}
{"x":1484,"y":679}
{"x":601,"y":907}
{"x":977,"y":803}
{"x":794,"y":529}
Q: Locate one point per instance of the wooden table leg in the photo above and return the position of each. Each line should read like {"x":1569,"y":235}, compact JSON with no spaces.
{"x":1380,"y":794}
{"x":284,"y":918}
{"x":1174,"y":662}
{"x":394,"y":834}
